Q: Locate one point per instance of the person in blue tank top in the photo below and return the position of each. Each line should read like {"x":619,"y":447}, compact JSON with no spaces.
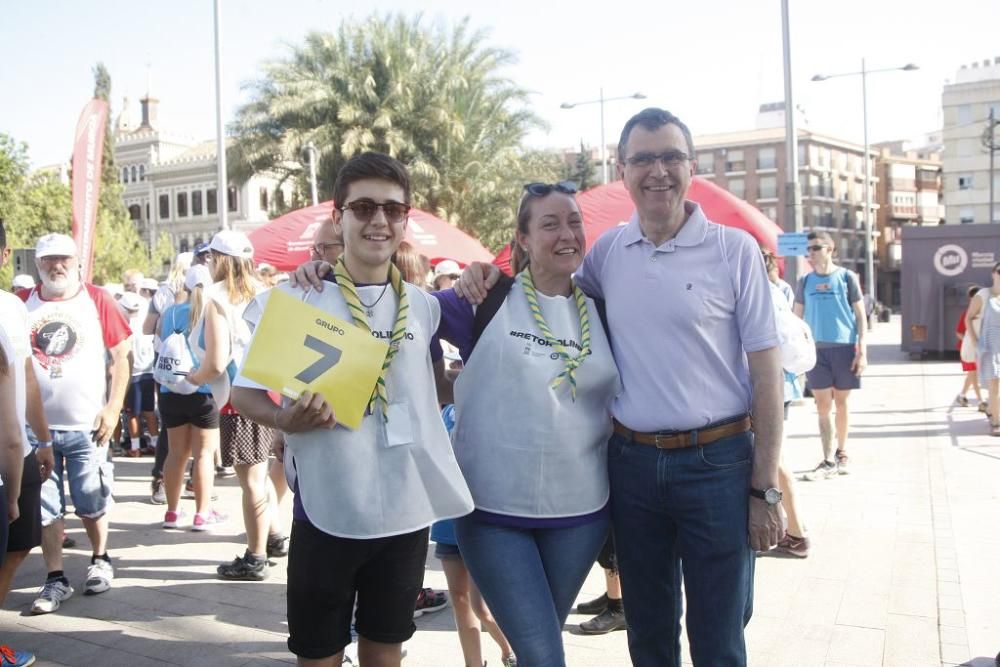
{"x":829,"y":300}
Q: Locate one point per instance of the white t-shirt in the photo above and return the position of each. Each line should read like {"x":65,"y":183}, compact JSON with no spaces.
{"x":70,"y":339}
{"x":17,"y":346}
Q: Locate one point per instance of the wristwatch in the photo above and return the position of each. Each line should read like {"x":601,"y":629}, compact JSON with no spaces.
{"x":44,"y":444}
{"x":770,"y":496}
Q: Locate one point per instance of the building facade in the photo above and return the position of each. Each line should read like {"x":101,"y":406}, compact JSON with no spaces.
{"x":966,"y":106}
{"x":171,"y":185}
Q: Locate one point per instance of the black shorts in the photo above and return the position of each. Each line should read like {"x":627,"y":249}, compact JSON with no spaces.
{"x":607,"y":558}
{"x":833,"y":369}
{"x":325,"y":573}
{"x":26,"y":532}
{"x":244,"y":442}
{"x":141,"y":396}
{"x":195,"y":409}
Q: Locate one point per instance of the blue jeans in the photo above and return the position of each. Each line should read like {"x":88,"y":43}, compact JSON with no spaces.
{"x":684,"y":511}
{"x":529,"y":579}
{"x":88,"y":470}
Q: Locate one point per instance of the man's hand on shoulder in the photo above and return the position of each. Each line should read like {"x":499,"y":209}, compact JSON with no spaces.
{"x":310,"y":274}
{"x":476,"y":281}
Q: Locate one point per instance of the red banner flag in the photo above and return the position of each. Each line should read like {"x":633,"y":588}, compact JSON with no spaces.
{"x":88,"y":153}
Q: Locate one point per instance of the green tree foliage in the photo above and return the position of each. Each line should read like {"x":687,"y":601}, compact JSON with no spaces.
{"x":581,"y":171}
{"x":433,"y":97}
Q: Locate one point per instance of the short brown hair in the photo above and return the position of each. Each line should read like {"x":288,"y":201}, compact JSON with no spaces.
{"x":371,"y":166}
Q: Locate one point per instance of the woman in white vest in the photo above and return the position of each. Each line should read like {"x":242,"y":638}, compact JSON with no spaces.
{"x":532,"y":407}
{"x":982,"y":322}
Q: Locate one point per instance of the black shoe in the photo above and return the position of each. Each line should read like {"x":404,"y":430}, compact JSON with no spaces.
{"x":277,"y":546}
{"x":68,"y":542}
{"x":608,"y":621}
{"x":241,"y":569}
{"x":594,"y":607}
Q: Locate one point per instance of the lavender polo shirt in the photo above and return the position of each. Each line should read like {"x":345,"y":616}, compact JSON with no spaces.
{"x":682,"y":317}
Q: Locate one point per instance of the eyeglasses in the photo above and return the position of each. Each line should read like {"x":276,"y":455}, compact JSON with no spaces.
{"x":815,"y":248}
{"x":323,"y":247}
{"x":364,"y":210}
{"x":668,"y":158}
{"x":542,"y":189}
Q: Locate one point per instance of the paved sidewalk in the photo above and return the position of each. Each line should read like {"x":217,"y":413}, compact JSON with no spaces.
{"x":904,"y":569}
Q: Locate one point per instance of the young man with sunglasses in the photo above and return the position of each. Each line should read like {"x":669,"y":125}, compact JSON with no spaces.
{"x":829,"y":300}
{"x":366,"y":539}
{"x":693,"y":489}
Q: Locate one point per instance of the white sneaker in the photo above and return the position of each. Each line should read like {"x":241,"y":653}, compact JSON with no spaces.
{"x":99,"y":577}
{"x":51,"y":596}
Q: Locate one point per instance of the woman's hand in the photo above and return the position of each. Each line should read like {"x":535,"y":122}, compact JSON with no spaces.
{"x":310,"y":411}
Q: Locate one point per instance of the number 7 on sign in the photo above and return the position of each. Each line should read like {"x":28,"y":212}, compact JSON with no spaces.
{"x":330,"y":355}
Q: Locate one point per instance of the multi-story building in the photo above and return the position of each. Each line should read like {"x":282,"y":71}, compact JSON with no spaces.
{"x":751,"y":164}
{"x":909,"y":193}
{"x":171,"y":184}
{"x":966,"y":106}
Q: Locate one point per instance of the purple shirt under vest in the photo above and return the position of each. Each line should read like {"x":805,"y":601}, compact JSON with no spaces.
{"x":682,"y":317}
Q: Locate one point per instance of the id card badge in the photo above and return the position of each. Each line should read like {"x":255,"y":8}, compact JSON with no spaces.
{"x":399,"y":429}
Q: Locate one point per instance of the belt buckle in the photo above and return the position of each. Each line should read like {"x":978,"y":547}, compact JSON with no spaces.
{"x":665,"y":440}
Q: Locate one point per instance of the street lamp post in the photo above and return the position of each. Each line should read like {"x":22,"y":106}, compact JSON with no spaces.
{"x":601,"y":100}
{"x":310,"y":151}
{"x":870,"y":289}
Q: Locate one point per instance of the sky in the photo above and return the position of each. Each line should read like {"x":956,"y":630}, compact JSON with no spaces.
{"x":711,"y":62}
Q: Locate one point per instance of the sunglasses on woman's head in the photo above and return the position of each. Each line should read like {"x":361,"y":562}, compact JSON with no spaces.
{"x":542,"y":189}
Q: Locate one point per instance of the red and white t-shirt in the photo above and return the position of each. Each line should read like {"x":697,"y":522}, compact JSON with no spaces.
{"x":69,"y":340}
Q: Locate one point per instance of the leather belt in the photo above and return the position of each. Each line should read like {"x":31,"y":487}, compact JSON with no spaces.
{"x":682,"y":439}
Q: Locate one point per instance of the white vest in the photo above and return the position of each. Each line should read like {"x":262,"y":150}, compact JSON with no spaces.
{"x":526,"y":449}
{"x":353,"y":483}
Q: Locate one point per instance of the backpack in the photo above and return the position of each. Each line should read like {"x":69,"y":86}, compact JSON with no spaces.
{"x":175,"y":361}
{"x":795,"y":340}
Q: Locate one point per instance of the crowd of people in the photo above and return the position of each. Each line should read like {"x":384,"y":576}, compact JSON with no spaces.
{"x":595,"y":406}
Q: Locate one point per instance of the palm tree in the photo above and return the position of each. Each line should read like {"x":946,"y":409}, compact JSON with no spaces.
{"x":433,"y":97}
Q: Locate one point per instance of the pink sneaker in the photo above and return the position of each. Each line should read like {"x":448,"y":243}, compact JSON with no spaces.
{"x":207,"y":521}
{"x":170,"y":519}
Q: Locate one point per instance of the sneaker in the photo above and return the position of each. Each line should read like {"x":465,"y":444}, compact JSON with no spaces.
{"x":159,"y":495}
{"x":53,"y":593}
{"x":593,"y":607}
{"x":984,"y":407}
{"x":11,"y":658}
{"x":842,"y":461}
{"x":277,"y":546}
{"x":789,"y":547}
{"x":188,"y":492}
{"x":607,"y":621}
{"x":170,"y":519}
{"x":100,"y":574}
{"x":241,"y":569}
{"x":961,"y":401}
{"x":224,"y":472}
{"x":825,"y":470}
{"x":429,"y":601}
{"x":68,"y":542}
{"x":207,"y":521}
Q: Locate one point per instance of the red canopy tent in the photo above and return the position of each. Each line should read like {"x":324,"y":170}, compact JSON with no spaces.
{"x":607,"y":206}
{"x":285,"y":241}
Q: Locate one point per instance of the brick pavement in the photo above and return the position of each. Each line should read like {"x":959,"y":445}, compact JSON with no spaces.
{"x":903,"y":569}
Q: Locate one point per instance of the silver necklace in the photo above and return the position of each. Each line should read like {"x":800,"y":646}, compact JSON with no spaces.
{"x":370,"y":307}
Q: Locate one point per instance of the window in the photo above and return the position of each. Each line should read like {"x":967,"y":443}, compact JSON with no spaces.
{"x":263,"y":199}
{"x":147,"y":211}
{"x":737,"y":187}
{"x":767,"y":158}
{"x":210,"y":203}
{"x":134,"y":172}
{"x":814,"y":214}
{"x":164,"y":207}
{"x":767,"y":187}
{"x":142,"y":172}
{"x":964,"y":114}
{"x":124,"y":174}
{"x":231,"y":199}
{"x":185,"y":246}
{"x":828,"y":216}
{"x":965,"y":182}
{"x":134,"y":212}
{"x":966,"y":216}
{"x":803,"y":155}
{"x":279,"y":199}
{"x":182,"y":204}
{"x":196,"y":202}
{"x":706,"y":163}
{"x":734,"y":161}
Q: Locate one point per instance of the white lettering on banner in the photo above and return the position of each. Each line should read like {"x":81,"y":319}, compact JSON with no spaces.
{"x":983,"y":260}
{"x":950,"y":260}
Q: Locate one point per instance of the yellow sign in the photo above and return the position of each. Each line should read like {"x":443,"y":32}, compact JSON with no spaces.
{"x":298,"y":347}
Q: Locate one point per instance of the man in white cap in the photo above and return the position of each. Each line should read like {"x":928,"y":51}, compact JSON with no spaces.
{"x":23,"y":281}
{"x":79,"y":339}
{"x":446,"y":273}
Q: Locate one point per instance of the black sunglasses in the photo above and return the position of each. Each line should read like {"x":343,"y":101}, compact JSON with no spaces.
{"x":542,"y":189}
{"x":364,"y":210}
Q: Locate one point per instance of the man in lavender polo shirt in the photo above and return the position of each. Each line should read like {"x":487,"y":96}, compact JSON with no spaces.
{"x":693,"y":491}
